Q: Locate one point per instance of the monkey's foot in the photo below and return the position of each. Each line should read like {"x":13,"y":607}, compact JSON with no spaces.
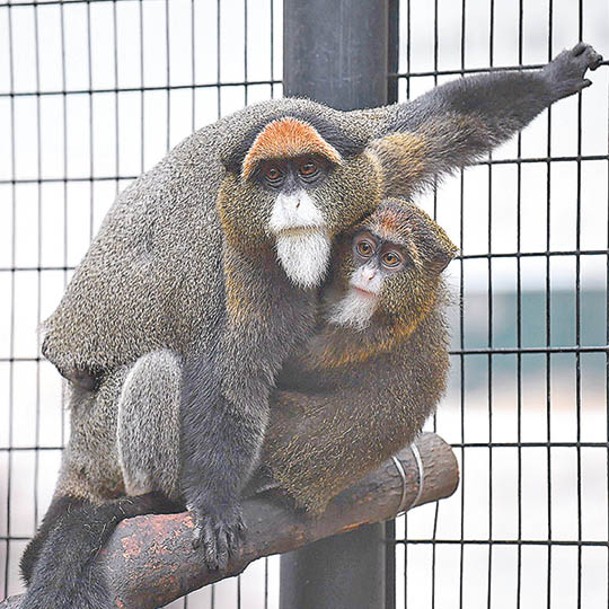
{"x":565,"y":73}
{"x":219,"y":535}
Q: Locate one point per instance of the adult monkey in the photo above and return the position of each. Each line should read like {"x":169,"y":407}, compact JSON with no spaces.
{"x":161,"y":242}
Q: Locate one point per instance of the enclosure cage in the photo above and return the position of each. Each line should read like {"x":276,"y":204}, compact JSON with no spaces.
{"x":92,"y":93}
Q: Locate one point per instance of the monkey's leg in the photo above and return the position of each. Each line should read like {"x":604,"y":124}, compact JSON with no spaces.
{"x":66,"y":575}
{"x":90,"y":472}
{"x":454,"y":124}
{"x":148,"y":429}
{"x":59,"y":506}
{"x":83,"y":515}
{"x":341,"y":437}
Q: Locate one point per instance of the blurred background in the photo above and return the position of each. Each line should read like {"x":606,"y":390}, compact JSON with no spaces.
{"x":94,"y":93}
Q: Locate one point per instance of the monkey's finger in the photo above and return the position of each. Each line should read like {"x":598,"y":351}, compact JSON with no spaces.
{"x":592,"y":58}
{"x":234,"y":536}
{"x":579,"y":48}
{"x":210,"y":545}
{"x":222,"y":553}
{"x":598,"y":60}
{"x":197,"y":537}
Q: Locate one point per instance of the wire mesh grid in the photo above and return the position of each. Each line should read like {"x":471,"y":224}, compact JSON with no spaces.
{"x":526,"y":410}
{"x":93,"y":93}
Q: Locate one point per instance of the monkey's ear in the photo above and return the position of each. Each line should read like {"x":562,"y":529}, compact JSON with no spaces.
{"x":416,"y":229}
{"x":437,"y":248}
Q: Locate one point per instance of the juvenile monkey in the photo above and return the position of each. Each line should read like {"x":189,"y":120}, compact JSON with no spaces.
{"x":209,"y":230}
{"x":364,"y":385}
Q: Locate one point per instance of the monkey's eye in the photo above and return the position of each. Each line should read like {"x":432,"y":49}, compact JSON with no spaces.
{"x":309,"y":169}
{"x":273,"y":175}
{"x":391,"y":259}
{"x":364,"y":248}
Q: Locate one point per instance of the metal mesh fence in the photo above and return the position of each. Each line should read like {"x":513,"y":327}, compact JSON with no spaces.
{"x":92,"y":93}
{"x":527,"y":407}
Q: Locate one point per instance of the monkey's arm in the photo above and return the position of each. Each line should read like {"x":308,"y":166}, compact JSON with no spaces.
{"x":219,"y":444}
{"x":456,"y":123}
{"x":225,"y":396}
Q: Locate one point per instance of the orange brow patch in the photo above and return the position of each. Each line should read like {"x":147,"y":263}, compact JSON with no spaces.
{"x":285,"y":138}
{"x":389,"y":223}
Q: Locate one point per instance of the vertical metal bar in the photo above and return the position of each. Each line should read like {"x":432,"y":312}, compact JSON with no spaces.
{"x":390,"y":565}
{"x":491,"y":341}
{"x":349,"y":40}
{"x":168,"y":74}
{"x":578,"y":328}
{"x":519,"y":325}
{"x":91,"y":127}
{"x":193,"y":64}
{"x":65,"y":190}
{"x":245,"y":59}
{"x":549,"y":325}
{"x":342,"y":572}
{"x":11,"y":348}
{"x":607,"y":354}
{"x":218,"y":73}
{"x":272,"y":54}
{"x":436,"y":507}
{"x":408,"y":91}
{"x":39,"y":259}
{"x":117,"y":147}
{"x":393,"y":42}
{"x":142,"y":93}
{"x":462,"y":357}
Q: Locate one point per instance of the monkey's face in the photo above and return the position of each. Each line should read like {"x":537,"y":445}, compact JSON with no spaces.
{"x":297,"y":192}
{"x":394,"y":267}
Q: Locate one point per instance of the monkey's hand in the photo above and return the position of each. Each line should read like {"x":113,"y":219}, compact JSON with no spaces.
{"x":219,"y":533}
{"x":565,"y":73}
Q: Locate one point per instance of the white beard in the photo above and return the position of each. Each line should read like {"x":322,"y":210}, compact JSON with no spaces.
{"x":353,"y":310}
{"x":303,"y":246}
{"x":304,"y":257}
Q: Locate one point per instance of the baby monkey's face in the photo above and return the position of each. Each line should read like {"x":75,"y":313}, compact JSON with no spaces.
{"x":392,"y":270}
{"x":375,"y":259}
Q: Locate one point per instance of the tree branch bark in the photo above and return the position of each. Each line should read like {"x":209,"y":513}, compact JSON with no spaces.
{"x":150,"y":560}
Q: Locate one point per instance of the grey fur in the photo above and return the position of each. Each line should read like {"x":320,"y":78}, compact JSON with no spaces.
{"x":149,"y":436}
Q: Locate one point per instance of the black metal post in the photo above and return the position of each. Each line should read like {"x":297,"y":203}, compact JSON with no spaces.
{"x":338,"y":52}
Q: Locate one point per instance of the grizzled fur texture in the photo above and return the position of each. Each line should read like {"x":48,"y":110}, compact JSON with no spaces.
{"x":355,"y":396}
{"x":171,"y":242}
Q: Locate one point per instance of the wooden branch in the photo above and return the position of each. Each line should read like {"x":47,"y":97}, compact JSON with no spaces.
{"x":150,"y":560}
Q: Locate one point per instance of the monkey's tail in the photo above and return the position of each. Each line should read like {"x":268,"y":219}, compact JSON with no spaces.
{"x":66,"y":574}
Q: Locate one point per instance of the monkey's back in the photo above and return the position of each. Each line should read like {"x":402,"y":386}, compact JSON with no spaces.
{"x":152,"y":277}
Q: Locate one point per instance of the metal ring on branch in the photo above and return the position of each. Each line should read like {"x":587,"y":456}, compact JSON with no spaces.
{"x":402,"y":473}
